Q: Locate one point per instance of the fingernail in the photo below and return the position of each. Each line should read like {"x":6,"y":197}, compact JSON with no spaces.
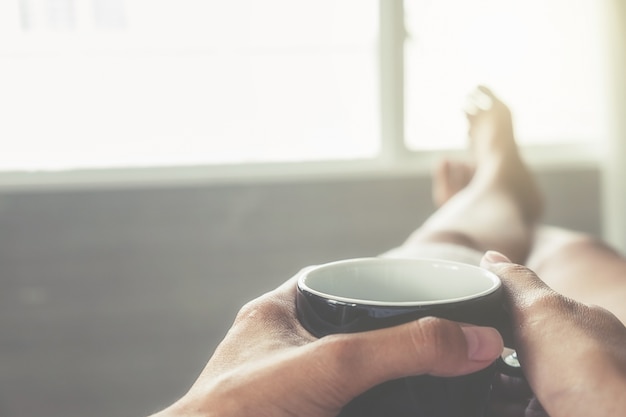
{"x":483,"y":343}
{"x":494,"y":257}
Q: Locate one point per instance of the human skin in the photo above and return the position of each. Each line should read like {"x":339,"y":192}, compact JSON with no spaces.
{"x":269,"y":365}
{"x":572,"y":354}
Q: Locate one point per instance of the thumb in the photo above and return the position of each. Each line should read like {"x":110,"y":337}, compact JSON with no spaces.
{"x":538,"y":315}
{"x":522,"y":286}
{"x":427,"y":346}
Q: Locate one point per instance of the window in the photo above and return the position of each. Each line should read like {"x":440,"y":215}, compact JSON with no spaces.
{"x":99,"y":83}
{"x":545,"y":58}
{"x":145,"y":83}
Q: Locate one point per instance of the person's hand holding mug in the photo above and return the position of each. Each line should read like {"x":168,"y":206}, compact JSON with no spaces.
{"x":573,"y":356}
{"x":269,"y":365}
{"x":358,"y":295}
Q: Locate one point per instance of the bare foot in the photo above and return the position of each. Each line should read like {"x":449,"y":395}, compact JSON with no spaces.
{"x":495,"y":208}
{"x":499,"y":165}
{"x":450,"y":177}
{"x":496,"y":156}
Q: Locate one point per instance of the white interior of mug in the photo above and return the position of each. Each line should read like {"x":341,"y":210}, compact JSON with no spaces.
{"x":381,"y":281}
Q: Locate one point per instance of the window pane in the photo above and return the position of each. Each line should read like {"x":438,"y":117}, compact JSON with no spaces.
{"x":97,"y":83}
{"x":544,"y":58}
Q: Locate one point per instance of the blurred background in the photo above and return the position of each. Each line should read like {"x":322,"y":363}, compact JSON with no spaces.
{"x":164,"y":161}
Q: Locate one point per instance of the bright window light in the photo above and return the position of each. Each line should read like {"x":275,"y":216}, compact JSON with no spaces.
{"x":544,"y":58}
{"x":127,"y":83}
{"x":154,"y":83}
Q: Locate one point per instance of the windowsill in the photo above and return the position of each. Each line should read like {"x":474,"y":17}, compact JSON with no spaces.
{"x":542,"y":158}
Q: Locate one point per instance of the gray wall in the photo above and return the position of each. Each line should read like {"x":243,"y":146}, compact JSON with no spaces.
{"x":111,"y":301}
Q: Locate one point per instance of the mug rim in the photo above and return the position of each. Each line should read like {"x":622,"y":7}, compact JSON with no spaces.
{"x":302,"y":285}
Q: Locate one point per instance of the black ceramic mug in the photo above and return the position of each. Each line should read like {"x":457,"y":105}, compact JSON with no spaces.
{"x":371,"y":293}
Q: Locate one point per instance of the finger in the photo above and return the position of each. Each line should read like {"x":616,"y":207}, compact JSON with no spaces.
{"x":545,"y":313}
{"x":426,"y":346}
{"x":271,"y":319}
{"x":522,"y":285}
{"x":524,"y":289}
{"x":565,"y":347}
{"x":551,"y":332}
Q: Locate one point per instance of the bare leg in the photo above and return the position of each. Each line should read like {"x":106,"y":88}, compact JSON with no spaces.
{"x":499,"y":206}
{"x":580,"y":267}
{"x":482,"y":214}
{"x":449,"y":178}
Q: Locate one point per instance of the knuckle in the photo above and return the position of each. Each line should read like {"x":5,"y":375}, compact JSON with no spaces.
{"x":516,"y":271}
{"x":263,"y":308}
{"x":522,"y":286}
{"x":247,"y":311}
{"x":434,"y":338}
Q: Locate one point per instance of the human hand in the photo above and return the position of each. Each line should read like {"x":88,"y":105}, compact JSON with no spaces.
{"x":269,"y":365}
{"x":573,"y":355}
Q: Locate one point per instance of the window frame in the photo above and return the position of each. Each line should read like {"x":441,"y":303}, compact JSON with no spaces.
{"x":394,"y":158}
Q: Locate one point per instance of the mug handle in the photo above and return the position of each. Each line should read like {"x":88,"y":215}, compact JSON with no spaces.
{"x":508,"y":364}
